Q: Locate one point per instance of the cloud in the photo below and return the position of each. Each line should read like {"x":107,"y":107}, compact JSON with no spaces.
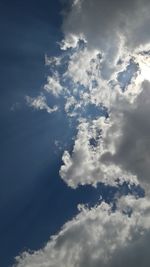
{"x":111,"y":27}
{"x":130,"y":133}
{"x":105,"y":69}
{"x":102,"y":23}
{"x":84,"y":164}
{"x":99,"y":237}
{"x":53,"y":85}
{"x":80,"y":79}
{"x":112,"y":148}
{"x":39,"y":103}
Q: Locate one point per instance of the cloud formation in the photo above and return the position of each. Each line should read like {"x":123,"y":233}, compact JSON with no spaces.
{"x":112,"y":148}
{"x":84,"y":165}
{"x":99,"y":237}
{"x":105,"y":63}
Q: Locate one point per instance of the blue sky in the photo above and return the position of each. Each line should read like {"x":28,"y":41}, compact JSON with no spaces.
{"x":29,"y":29}
{"x":54,"y":161}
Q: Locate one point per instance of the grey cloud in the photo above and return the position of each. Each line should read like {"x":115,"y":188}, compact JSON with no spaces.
{"x":136,"y":254}
{"x":132,"y":147}
{"x":100,"y":22}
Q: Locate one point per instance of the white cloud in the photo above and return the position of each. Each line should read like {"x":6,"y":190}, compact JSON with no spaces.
{"x":39,"y":103}
{"x":114,"y":28}
{"x":84,"y":165}
{"x":121,"y":145}
{"x":49,"y":61}
{"x":82,"y":66}
{"x":99,"y":237}
{"x":86,"y":79}
{"x":71,"y":42}
{"x":53,"y":85}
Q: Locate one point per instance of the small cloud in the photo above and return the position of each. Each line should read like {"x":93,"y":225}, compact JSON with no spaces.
{"x":53,"y":85}
{"x":39,"y":103}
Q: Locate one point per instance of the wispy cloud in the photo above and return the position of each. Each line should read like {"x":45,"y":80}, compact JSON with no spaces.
{"x":39,"y":103}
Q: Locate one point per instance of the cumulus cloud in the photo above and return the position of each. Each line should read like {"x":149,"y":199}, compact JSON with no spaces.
{"x":84,"y":164}
{"x":112,"y":148}
{"x":99,"y":237}
{"x":39,"y":103}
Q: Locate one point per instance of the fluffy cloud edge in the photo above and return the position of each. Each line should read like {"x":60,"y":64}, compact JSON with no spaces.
{"x":98,"y":236}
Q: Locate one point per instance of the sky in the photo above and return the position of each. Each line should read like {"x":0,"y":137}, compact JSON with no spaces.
{"x":75,"y":149}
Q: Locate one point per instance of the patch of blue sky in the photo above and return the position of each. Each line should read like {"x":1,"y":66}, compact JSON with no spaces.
{"x":124,"y":77}
{"x":92,"y":196}
{"x":94,"y":83}
{"x":95,"y":141}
